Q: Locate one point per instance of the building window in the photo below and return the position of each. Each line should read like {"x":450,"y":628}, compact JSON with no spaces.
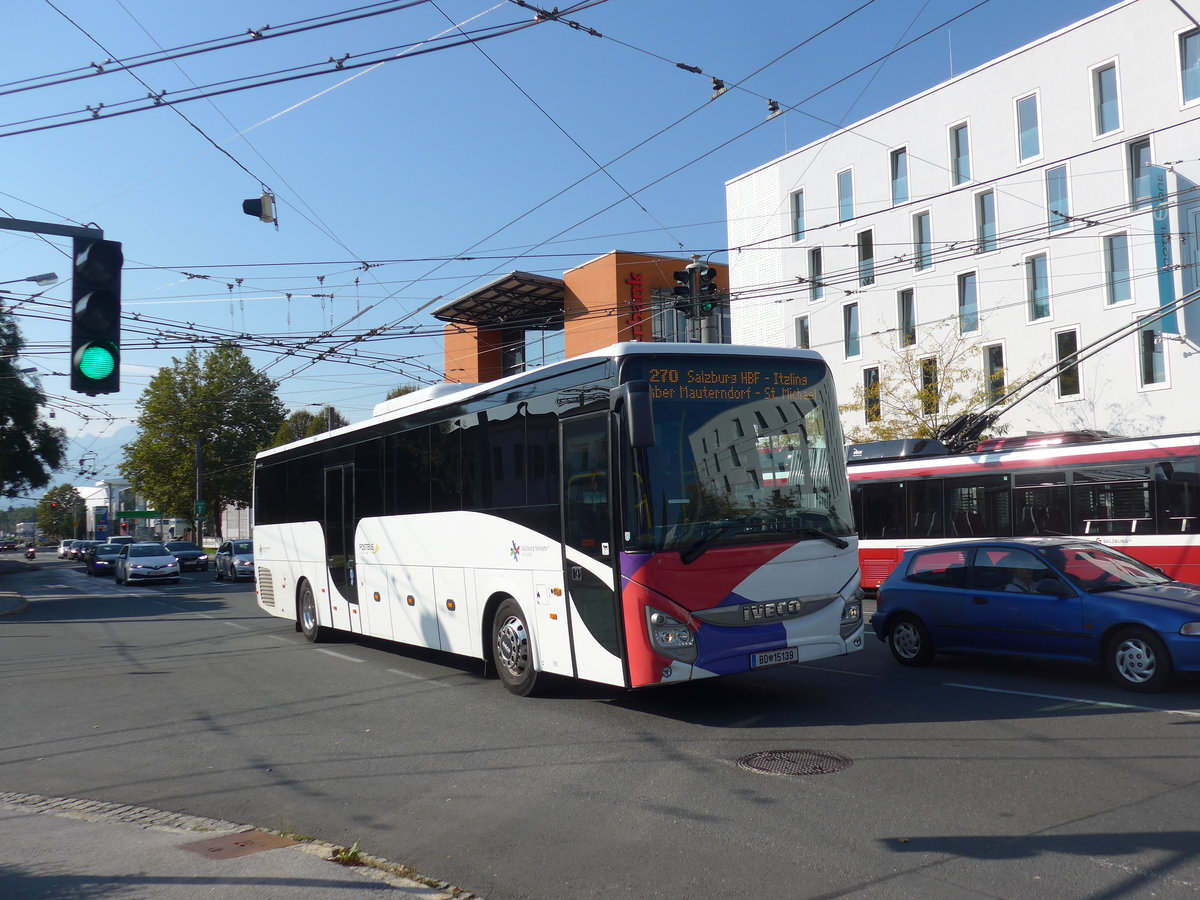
{"x":798,"y":216}
{"x":985,"y":221}
{"x":1139,"y":172}
{"x":1058,"y":207}
{"x":1037,"y":287}
{"x":815,"y":273}
{"x":906,"y":317}
{"x":1029,"y":137}
{"x":866,"y":258}
{"x":802,"y":338}
{"x":871,"y":406}
{"x":850,"y":330}
{"x":845,"y":195}
{"x":1104,"y":98}
{"x":922,"y":242}
{"x":1154,"y":369}
{"x":960,"y":155}
{"x":1066,"y":346}
{"x":993,"y":371}
{"x":930,"y":393}
{"x":1189,"y":64}
{"x":968,"y":303}
{"x":1116,"y":268}
{"x":899,"y":159}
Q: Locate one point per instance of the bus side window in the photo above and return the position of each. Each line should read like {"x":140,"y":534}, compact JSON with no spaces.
{"x":1177,"y":490}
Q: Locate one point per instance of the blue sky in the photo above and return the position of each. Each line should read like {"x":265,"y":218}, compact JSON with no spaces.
{"x":488,"y":150}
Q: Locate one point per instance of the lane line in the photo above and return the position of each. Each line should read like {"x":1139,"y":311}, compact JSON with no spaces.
{"x":1105,"y":703}
{"x":340,"y":655}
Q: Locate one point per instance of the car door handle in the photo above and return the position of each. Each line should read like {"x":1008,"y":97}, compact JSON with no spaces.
{"x":979,"y":601}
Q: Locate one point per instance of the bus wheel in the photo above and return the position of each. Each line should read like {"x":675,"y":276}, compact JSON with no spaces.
{"x":308,"y":615}
{"x":510,"y":647}
{"x":909,"y":641}
{"x":1138,"y":660}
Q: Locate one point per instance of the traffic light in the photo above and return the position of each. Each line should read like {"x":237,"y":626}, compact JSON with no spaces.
{"x":683,"y":293}
{"x":262,"y":208}
{"x":706,"y":288}
{"x":96,"y":317}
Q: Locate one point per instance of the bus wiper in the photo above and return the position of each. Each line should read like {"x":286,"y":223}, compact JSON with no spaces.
{"x":824,"y":535}
{"x":696,"y":550}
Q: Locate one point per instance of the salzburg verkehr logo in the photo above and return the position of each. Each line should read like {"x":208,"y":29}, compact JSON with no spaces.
{"x":515,"y":550}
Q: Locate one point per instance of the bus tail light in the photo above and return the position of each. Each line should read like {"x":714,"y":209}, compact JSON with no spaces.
{"x":670,"y":637}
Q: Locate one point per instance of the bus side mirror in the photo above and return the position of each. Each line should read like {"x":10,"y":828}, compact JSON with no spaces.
{"x":639,"y":417}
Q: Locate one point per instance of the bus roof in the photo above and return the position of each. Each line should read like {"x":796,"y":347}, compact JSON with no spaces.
{"x":442,"y":394}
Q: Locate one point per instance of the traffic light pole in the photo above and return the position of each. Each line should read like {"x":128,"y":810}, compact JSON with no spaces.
{"x":70,"y":231}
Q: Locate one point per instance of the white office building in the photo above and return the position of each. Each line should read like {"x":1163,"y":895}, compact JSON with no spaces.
{"x":1000,"y":222}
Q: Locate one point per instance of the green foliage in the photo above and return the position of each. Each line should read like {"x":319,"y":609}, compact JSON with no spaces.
{"x":61,"y":512}
{"x":10,"y":518}
{"x":30,"y":448}
{"x":218,"y":400}
{"x":401,"y":390}
{"x":302,"y":424}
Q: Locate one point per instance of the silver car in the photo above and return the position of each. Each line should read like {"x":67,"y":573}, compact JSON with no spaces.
{"x":145,"y":562}
{"x":235,"y":559}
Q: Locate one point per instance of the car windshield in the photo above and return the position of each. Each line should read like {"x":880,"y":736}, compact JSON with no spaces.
{"x":243,"y":546}
{"x":1094,"y":568}
{"x":147,"y":550}
{"x":181,"y":545}
{"x":108,"y":549}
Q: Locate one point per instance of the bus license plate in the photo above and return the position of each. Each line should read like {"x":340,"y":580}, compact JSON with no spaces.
{"x":774,"y":657}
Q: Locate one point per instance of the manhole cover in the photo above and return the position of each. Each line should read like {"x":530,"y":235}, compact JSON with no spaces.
{"x":795,"y":762}
{"x":234,"y":845}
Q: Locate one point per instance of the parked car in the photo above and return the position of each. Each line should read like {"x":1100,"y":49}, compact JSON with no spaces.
{"x":101,"y":558}
{"x":189,"y":555}
{"x":1056,"y":598}
{"x":235,"y":559}
{"x":144,"y":562}
{"x":64,"y":549}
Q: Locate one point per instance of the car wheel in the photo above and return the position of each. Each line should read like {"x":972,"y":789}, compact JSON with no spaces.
{"x":217,"y":573}
{"x":1138,"y":660}
{"x":909,"y":641}
{"x":510,"y":650}
{"x":308,"y":616}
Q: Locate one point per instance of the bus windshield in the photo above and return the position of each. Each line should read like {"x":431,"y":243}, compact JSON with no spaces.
{"x":745,"y":452}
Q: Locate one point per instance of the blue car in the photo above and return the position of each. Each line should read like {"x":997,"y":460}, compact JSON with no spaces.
{"x":1055,"y":598}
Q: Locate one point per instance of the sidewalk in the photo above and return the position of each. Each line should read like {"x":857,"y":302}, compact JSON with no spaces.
{"x":55,"y":847}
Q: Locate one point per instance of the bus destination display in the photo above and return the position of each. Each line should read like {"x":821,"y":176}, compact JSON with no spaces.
{"x":738,"y":384}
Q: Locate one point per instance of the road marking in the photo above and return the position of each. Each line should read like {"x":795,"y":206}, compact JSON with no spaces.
{"x":1105,"y":703}
{"x":236,"y":625}
{"x":341,"y":655}
{"x":280,"y":637}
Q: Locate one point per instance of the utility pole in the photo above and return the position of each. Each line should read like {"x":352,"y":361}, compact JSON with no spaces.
{"x":198,"y":510}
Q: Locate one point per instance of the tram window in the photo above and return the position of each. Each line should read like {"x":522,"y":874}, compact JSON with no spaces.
{"x":925,"y":508}
{"x":1040,"y":510}
{"x":1115,"y":507}
{"x":978,"y":506}
{"x":880,"y":509}
{"x":1177,"y":492}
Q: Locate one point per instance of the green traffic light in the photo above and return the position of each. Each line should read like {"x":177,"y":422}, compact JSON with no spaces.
{"x":96,"y":362}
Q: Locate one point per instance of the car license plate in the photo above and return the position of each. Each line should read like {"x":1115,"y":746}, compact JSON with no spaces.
{"x":774,"y":657}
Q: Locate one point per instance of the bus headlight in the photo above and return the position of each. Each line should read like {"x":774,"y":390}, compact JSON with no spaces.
{"x":670,"y":637}
{"x":852,"y":614}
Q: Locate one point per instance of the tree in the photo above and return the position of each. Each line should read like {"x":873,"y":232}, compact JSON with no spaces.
{"x":922,"y":389}
{"x":302,"y":424}
{"x":401,"y":390}
{"x":215,"y":406}
{"x":61,"y":512}
{"x":30,"y":448}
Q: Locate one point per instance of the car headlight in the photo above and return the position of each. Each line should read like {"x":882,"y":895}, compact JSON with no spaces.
{"x":1192,"y":628}
{"x":245,"y":562}
{"x":851,"y":614}
{"x":670,"y":637}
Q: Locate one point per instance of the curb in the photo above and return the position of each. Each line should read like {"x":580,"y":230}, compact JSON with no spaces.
{"x":11,"y":603}
{"x":104,"y":813}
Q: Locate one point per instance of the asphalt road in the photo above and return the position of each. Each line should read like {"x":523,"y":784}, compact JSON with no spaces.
{"x":971,"y":778}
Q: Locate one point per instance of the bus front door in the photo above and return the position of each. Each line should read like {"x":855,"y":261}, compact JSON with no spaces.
{"x":339,"y":546}
{"x":589,"y":552}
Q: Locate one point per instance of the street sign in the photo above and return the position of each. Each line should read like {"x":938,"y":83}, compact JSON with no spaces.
{"x":201,"y":507}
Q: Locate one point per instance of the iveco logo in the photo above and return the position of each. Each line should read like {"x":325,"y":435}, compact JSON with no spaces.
{"x":758,"y":612}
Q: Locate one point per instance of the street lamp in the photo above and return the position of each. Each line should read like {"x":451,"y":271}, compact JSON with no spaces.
{"x":44,"y":280}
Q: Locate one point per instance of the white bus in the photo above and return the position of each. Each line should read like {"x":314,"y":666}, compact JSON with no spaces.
{"x":602,"y":518}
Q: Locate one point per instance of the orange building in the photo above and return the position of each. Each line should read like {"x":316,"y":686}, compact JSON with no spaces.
{"x":614,"y":298}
